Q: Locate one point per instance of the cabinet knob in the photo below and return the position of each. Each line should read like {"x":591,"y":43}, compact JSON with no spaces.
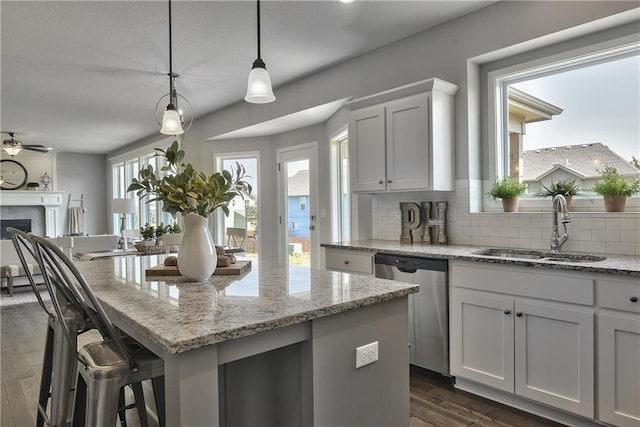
{"x":633,"y":299}
{"x":519,"y":314}
{"x":381,"y":182}
{"x":388,"y":181}
{"x":346,"y":262}
{"x":507,"y":312}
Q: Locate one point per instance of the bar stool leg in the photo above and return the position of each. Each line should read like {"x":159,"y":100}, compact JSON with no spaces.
{"x":140,"y":404}
{"x":158,"y":396}
{"x":80,"y":402}
{"x":64,"y":372}
{"x":102,"y":402}
{"x":45,"y":377}
{"x":122,"y":410}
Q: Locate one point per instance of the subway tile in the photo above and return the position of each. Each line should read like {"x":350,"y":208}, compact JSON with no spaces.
{"x":489,"y":231}
{"x":531,"y":232}
{"x":592,"y":223}
{"x":520,"y":221}
{"x":605,"y":235}
{"x":499,"y":241}
{"x":520,"y":243}
{"x":480,"y":241}
{"x":621,"y":224}
{"x":592,"y":246}
{"x":620,"y":248}
{"x":509,"y":232}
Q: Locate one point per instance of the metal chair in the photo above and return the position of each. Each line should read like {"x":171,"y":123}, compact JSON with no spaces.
{"x":59,"y":362}
{"x":104,"y":367}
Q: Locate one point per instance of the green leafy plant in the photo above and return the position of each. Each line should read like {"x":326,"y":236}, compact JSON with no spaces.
{"x":185,"y":190}
{"x":148,"y":232}
{"x":566,"y":187}
{"x":174,"y":229}
{"x":614,"y":184}
{"x":506,"y":188}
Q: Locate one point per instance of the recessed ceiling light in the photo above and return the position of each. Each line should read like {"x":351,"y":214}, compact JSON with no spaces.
{"x":345,"y":1}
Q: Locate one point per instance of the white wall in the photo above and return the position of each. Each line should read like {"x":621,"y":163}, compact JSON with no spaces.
{"x":86,"y":174}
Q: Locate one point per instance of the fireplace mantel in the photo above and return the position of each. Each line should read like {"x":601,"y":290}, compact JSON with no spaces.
{"x":52,"y":201}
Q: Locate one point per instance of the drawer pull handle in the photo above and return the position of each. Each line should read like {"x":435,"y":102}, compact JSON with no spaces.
{"x":507,"y":312}
{"x":389,"y":181}
{"x":519,"y":314}
{"x":346,"y":262}
{"x":380,"y":182}
{"x":633,"y":299}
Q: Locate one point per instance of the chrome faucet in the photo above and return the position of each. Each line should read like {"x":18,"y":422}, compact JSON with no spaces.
{"x":557,"y":239}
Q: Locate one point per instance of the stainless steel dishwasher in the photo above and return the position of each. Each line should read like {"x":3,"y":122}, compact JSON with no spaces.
{"x":428,"y":309}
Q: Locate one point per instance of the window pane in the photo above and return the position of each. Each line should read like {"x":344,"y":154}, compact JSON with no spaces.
{"x":570,"y":124}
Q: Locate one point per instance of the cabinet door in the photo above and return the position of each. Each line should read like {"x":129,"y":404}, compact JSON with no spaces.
{"x":482,"y":339}
{"x":554,"y":356}
{"x":619,"y":370}
{"x":367,"y":149}
{"x":408,"y":160}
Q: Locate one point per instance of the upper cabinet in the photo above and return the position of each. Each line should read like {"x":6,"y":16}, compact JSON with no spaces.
{"x":403,"y":139}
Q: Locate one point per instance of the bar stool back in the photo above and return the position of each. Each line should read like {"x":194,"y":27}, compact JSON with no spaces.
{"x":59,"y":361}
{"x":105,"y":367}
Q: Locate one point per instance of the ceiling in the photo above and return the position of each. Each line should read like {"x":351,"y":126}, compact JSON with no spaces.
{"x":85,"y":76}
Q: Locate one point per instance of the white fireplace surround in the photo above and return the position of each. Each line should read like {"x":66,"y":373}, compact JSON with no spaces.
{"x":50,"y":200}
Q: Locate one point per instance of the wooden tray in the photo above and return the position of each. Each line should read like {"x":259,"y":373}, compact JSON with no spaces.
{"x":234,"y":269}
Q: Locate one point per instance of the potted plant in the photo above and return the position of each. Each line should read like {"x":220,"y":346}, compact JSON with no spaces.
{"x":508,"y":190}
{"x":33,"y":186}
{"x":566,"y":187}
{"x":172,"y":237}
{"x":196,"y":196}
{"x":148,"y":233}
{"x":615,"y":188}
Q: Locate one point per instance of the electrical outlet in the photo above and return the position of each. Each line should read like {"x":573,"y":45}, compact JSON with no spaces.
{"x":366,"y":354}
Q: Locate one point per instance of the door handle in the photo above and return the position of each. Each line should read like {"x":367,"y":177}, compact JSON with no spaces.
{"x":312,"y":227}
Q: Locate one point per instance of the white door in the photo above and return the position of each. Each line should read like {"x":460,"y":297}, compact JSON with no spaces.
{"x":554,"y":356}
{"x":482,"y":339}
{"x":297,"y":202}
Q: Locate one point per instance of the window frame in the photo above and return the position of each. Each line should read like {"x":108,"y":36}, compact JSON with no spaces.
{"x":496,"y":105}
{"x":339,"y":143}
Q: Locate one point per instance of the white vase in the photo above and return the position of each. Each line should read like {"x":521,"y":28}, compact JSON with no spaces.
{"x":197,"y":256}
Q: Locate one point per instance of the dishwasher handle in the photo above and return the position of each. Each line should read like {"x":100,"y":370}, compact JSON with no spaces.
{"x":411,"y":264}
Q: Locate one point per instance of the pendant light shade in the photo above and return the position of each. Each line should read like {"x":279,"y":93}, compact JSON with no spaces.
{"x":12,"y":151}
{"x":259,"y":89}
{"x":171,"y":122}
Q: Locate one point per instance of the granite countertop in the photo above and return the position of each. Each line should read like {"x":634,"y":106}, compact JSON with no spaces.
{"x":179,"y":316}
{"x":613,"y":264}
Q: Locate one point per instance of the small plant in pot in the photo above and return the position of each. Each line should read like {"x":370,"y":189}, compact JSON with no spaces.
{"x":508,"y":190}
{"x":33,"y":186}
{"x":148,"y":233}
{"x":615,"y":188}
{"x":566,"y":187}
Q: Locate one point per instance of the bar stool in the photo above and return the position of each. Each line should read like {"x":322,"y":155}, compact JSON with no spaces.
{"x":104,"y":367}
{"x":59,"y":362}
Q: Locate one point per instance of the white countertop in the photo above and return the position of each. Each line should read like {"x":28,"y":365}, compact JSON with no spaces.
{"x":179,"y":316}
{"x":614,"y":264}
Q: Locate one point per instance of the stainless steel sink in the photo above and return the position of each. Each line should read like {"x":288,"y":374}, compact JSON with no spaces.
{"x":512,"y":253}
{"x":538,"y":255}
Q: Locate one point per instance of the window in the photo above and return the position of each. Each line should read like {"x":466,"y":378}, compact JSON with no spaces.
{"x":303,"y":203}
{"x":566,"y":117}
{"x":294,"y":226}
{"x":123,"y":172}
{"x":340,"y":206}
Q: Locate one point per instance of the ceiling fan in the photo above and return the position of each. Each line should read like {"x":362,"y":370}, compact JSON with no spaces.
{"x":13,"y":146}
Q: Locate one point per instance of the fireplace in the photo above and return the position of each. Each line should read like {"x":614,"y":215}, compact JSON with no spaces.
{"x":43,"y":208}
{"x":20,"y":224}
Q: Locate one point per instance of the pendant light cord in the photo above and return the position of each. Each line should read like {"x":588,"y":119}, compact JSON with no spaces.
{"x":258,"y":7}
{"x":171,"y":89}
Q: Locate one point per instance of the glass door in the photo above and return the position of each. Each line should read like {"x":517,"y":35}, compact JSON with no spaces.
{"x":297,"y":204}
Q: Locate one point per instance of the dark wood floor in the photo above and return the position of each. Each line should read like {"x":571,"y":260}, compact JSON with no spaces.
{"x":433,"y":402}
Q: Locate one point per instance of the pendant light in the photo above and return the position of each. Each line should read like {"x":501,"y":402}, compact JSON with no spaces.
{"x":259,"y":89}
{"x":171,"y":120}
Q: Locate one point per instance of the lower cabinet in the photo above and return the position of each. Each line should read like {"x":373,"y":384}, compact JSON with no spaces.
{"x":532,"y":349}
{"x":619,"y":351}
{"x":349,"y":261}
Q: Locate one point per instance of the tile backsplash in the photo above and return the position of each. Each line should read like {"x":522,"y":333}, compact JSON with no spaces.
{"x":592,"y":232}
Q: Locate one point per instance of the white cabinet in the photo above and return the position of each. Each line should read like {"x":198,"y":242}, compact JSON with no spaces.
{"x":524,"y":343}
{"x":402,"y":139}
{"x":619,"y":352}
{"x":349,"y":261}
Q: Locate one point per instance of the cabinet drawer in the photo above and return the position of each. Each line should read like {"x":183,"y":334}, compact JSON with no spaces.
{"x":356,"y":262}
{"x":526,"y":282}
{"x":618,"y":295}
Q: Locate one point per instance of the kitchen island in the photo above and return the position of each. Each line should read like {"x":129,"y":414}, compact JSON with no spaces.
{"x":275,"y":346}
